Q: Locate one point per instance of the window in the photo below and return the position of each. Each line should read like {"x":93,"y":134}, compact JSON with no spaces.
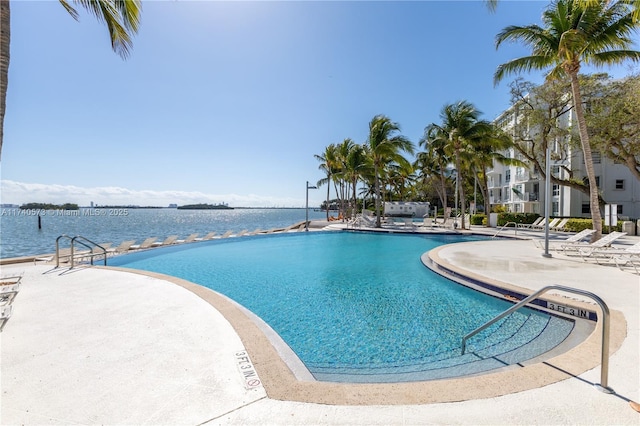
{"x":619,"y":183}
{"x":555,"y":208}
{"x":596,"y":157}
{"x":507,"y":176}
{"x":619,"y":209}
{"x":556,"y":190}
{"x":586,"y":208}
{"x":585,"y":180}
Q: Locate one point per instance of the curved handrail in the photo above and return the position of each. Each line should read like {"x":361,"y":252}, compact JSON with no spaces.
{"x":504,"y":226}
{"x":604,"y":356}
{"x":79,"y":239}
{"x":58,"y":248}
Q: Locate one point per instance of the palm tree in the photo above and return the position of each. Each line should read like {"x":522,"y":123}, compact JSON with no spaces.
{"x":575,"y":31}
{"x":493,"y":4}
{"x":434,"y":161}
{"x":460,"y":130}
{"x":384,"y":146}
{"x":329,"y":165}
{"x":122,"y":18}
{"x":357,"y":167}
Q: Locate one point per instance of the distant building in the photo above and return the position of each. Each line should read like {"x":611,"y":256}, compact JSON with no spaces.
{"x":406,"y":208}
{"x":173,"y":206}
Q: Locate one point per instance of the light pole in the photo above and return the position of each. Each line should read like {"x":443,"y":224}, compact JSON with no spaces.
{"x":306,"y":222}
{"x":547,"y":203}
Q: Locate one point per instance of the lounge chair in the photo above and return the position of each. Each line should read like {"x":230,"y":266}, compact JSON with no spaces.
{"x":63,"y":255}
{"x":631,"y":258}
{"x":241,"y":233}
{"x":191,"y":238}
{"x":207,"y":237}
{"x":124,"y":247}
{"x":620,"y":256}
{"x":5,"y":314}
{"x":575,"y":238}
{"x":427,"y":222}
{"x":145,"y":244}
{"x":587,"y":248}
{"x":530,"y":225}
{"x":408,"y":223}
{"x":9,"y":288}
{"x":560,"y":226}
{"x":541,"y":225}
{"x":226,"y":234}
{"x":167,"y":242}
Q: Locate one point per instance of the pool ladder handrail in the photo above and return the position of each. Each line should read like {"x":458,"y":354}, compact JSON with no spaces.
{"x":604,"y":355}
{"x":83,"y":241}
{"x":515,"y":226}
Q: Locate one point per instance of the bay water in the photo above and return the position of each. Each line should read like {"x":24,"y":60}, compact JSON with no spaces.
{"x":20,"y":234}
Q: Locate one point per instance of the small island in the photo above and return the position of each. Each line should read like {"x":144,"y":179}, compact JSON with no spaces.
{"x":205,"y":207}
{"x":47,"y":206}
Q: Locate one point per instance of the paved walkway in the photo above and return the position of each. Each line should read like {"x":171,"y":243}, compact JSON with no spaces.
{"x":100,"y":346}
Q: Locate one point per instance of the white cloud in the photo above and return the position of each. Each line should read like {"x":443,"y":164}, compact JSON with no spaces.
{"x":12,"y":192}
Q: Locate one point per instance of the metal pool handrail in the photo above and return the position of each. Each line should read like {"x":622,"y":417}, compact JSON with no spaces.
{"x":604,"y":356}
{"x":515,"y":226}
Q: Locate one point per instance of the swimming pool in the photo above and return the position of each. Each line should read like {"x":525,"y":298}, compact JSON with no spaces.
{"x":360,"y":307}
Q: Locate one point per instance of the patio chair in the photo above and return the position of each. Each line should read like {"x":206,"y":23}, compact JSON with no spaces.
{"x":145,"y":244}
{"x":575,"y":238}
{"x":191,"y":238}
{"x":171,"y":239}
{"x":122,"y":248}
{"x":64,"y":256}
{"x":530,"y":225}
{"x":620,"y":256}
{"x":9,"y":288}
{"x":427,"y":222}
{"x":560,"y":226}
{"x":5,"y":314}
{"x":207,"y":237}
{"x":541,"y":225}
{"x":585,"y":249}
{"x":632,"y":259}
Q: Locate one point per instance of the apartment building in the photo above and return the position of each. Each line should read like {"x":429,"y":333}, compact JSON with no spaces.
{"x":521,"y":189}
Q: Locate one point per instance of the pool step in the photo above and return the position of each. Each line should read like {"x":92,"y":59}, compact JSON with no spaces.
{"x":511,"y":343}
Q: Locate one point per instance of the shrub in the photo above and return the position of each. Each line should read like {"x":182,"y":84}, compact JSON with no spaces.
{"x":504,"y":218}
{"x":478,"y":219}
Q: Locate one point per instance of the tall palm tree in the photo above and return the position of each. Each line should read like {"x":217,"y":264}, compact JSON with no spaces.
{"x":329,"y":165}
{"x":573,"y":32}
{"x":357,"y":167}
{"x":434,"y":161}
{"x":460,"y":130}
{"x":122,"y":18}
{"x":493,"y":4}
{"x":385,"y":145}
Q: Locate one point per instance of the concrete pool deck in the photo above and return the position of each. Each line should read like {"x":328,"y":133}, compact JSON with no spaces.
{"x":105,"y":346}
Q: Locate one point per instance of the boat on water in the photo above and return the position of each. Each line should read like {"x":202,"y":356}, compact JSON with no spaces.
{"x":221,"y":206}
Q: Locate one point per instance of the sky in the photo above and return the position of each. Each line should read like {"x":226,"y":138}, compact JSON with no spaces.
{"x":230,"y":101}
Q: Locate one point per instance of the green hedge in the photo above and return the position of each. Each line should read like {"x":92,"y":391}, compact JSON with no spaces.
{"x":504,"y":218}
{"x":573,"y":225}
{"x":478,"y":219}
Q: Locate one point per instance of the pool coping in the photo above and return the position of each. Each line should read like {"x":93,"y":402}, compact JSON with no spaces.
{"x":281,"y":383}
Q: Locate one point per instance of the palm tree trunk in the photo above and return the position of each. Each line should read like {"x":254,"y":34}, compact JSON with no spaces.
{"x":377,"y":182}
{"x":596,"y":217}
{"x":328,"y":192}
{"x":5,"y":37}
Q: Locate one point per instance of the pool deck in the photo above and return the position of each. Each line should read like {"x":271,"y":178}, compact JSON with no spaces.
{"x":104,"y":346}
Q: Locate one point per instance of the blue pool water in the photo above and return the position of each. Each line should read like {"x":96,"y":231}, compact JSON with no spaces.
{"x":350,"y":303}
